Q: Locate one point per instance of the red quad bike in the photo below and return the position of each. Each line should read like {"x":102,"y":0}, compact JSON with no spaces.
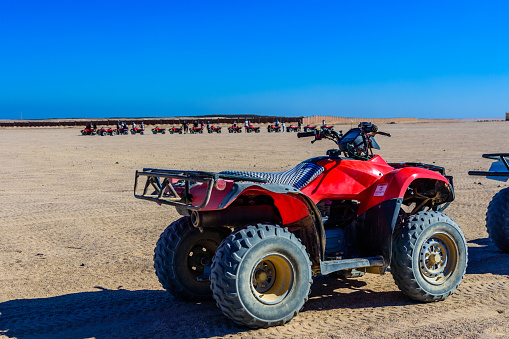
{"x":234,"y":129}
{"x":212,"y":129}
{"x":253,"y":241}
{"x":273,"y":128}
{"x":175,"y":130}
{"x":250,"y":129}
{"x":327,"y":128}
{"x":158,"y":130}
{"x":292,"y":128}
{"x":112,"y":131}
{"x":195,"y":130}
{"x":309,"y":128}
{"x":137,"y":130}
{"x":497,"y":216}
{"x":123,"y":131}
{"x":88,"y":131}
{"x":106,"y":131}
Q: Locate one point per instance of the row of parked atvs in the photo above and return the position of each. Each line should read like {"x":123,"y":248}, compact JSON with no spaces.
{"x":199,"y":130}
{"x":111,"y":131}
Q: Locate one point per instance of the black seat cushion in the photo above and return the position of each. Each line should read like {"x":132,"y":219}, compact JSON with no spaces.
{"x":298,"y":177}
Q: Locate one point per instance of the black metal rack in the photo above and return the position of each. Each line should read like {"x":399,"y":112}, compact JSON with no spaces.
{"x":494,"y":156}
{"x":164,"y":190}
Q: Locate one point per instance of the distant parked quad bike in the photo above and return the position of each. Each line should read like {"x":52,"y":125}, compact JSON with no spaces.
{"x":292,"y":128}
{"x":195,"y":130}
{"x":309,"y":128}
{"x":497,"y":216}
{"x":123,"y":131}
{"x":106,"y":131}
{"x":88,"y":131}
{"x":253,"y":241}
{"x":273,"y":128}
{"x":102,"y":131}
{"x":137,"y":130}
{"x":212,"y":129}
{"x":250,"y":129}
{"x":175,"y":130}
{"x":234,"y":129}
{"x":328,"y":128}
{"x":159,"y":130}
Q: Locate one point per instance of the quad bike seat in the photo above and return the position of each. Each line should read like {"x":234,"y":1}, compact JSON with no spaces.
{"x":298,"y":177}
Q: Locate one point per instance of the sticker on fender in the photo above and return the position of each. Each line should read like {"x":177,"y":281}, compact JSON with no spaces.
{"x":380,"y":190}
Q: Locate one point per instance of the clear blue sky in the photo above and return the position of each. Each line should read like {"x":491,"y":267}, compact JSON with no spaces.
{"x":440,"y":59}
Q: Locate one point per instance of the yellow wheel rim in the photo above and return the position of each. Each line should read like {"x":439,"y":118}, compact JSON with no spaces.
{"x":272,"y":278}
{"x":438,"y":258}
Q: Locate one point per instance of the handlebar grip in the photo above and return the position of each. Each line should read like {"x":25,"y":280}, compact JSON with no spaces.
{"x":305,"y":134}
{"x":383,"y":133}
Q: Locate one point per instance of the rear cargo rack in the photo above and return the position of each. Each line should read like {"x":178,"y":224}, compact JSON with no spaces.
{"x":163,"y":189}
{"x":494,"y":156}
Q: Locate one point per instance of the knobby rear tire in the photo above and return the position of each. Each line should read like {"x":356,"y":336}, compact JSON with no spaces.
{"x":261,"y":276}
{"x":178,"y":250}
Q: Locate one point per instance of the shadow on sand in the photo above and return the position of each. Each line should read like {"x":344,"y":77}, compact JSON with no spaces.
{"x":155,"y":313}
{"x":147,"y":313}
{"x":112,"y":314}
{"x":486,"y":258}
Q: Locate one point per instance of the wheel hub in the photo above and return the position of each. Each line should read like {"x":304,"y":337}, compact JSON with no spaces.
{"x":198,"y":258}
{"x":435,"y":258}
{"x":272,"y":278}
{"x":263,"y":276}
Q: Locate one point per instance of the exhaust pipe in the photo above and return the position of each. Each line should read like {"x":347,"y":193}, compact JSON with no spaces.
{"x":233,"y":216}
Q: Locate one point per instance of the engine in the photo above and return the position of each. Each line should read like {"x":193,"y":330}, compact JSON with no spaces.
{"x":338,"y":218}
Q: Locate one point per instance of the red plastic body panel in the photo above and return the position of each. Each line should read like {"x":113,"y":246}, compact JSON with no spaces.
{"x":216,"y":198}
{"x":345,"y":179}
{"x":291,"y":207}
{"x":396,"y":183}
{"x":358,"y":180}
{"x":342,"y":179}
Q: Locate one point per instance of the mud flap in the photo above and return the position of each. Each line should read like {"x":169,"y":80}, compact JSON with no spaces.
{"x":375,"y":229}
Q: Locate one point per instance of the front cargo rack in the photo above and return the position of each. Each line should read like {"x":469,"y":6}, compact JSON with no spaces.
{"x":172,"y":187}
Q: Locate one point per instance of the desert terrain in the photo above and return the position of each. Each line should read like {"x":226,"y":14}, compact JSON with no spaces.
{"x":76,"y":247}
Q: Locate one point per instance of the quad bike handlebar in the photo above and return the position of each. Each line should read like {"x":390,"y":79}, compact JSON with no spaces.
{"x":305,"y":134}
{"x":358,"y":143}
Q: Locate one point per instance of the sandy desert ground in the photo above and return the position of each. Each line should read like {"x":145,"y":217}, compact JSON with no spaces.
{"x":76,"y":248}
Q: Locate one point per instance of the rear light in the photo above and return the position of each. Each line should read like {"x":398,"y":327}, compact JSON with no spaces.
{"x":220,"y":184}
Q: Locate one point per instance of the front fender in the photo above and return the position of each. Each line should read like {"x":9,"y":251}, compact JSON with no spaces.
{"x":393,"y":185}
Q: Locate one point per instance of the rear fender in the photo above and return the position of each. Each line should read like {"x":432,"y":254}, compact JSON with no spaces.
{"x":221,"y":199}
{"x":296,"y":211}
